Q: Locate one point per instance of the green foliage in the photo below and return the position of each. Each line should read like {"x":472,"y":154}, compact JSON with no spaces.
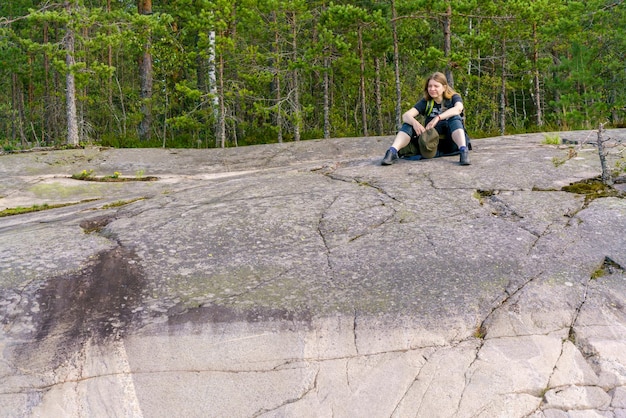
{"x":20,"y":210}
{"x":551,"y":139}
{"x":35,"y":208}
{"x":83,"y":175}
{"x":559,"y":161}
{"x":597,"y":274}
{"x":118,"y":204}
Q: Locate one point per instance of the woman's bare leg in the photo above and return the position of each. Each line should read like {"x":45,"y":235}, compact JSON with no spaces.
{"x":458,"y":137}
{"x":402,"y":140}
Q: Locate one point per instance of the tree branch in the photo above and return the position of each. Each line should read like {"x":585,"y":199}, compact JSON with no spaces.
{"x":7,"y":21}
{"x":438,"y":15}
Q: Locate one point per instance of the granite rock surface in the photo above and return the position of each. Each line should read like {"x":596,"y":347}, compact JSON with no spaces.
{"x":306,"y":280}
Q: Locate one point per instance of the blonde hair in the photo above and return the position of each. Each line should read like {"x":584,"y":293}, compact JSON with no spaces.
{"x":439,"y":77}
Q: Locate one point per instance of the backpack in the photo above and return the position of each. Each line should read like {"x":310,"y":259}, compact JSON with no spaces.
{"x":429,"y":107}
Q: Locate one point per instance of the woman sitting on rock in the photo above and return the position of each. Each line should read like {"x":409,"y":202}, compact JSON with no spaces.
{"x":442,"y":108}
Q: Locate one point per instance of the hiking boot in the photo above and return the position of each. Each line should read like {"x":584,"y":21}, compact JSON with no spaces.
{"x":464,"y":157}
{"x":390,"y":157}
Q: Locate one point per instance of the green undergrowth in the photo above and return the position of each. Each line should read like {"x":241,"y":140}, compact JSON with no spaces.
{"x":549,"y":139}
{"x":119,"y":203}
{"x":593,"y":189}
{"x":87,"y":175}
{"x":599,"y":272}
{"x":20,"y":210}
{"x":34,"y":208}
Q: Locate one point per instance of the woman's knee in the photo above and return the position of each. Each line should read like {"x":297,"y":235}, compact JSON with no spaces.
{"x":455,"y":123}
{"x":407,"y":129}
{"x":401,"y":140}
{"x":458,"y":133}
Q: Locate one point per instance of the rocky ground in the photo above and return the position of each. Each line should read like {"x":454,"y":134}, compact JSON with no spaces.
{"x":305,"y":280}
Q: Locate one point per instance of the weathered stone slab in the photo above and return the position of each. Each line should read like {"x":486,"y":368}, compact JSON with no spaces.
{"x":578,"y":397}
{"x":305,"y":280}
{"x":572,"y":369}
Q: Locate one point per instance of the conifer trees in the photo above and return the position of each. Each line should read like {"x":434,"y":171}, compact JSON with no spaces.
{"x":224,"y":73}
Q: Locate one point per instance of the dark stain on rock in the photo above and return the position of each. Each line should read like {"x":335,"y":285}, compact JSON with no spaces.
{"x":178,"y":315}
{"x":98,"y":302}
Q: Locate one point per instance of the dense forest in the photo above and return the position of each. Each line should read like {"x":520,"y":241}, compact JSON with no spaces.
{"x":216,"y":73}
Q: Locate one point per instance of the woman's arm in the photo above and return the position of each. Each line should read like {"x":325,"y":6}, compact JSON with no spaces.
{"x":455,"y":110}
{"x":409,"y":117}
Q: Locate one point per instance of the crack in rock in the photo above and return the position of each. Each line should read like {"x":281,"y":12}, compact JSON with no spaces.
{"x":482,"y":331}
{"x":330,"y":173}
{"x":571,"y":335}
{"x":497,"y":206}
{"x":414,"y":381}
{"x":468,"y":378}
{"x":570,"y":338}
{"x":322,"y":235}
{"x":364,"y":183}
{"x":354,"y":333}
{"x":538,"y":237}
{"x":311,"y":388}
{"x":610,"y":266}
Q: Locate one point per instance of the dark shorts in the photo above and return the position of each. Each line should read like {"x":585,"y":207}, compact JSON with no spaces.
{"x":446,"y":144}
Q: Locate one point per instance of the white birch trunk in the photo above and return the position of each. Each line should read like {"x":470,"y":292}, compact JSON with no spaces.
{"x":70,"y":93}
{"x":212,"y":75}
